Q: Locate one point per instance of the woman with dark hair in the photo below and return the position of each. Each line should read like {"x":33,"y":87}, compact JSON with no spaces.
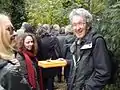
{"x":27,"y":48}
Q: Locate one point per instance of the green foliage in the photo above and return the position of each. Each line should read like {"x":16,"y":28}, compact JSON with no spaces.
{"x":15,"y":9}
{"x":97,"y":6}
{"x":112,"y":2}
{"x":49,"y":11}
{"x":5,"y":6}
{"x":94,"y":6}
{"x":110,"y":27}
{"x":18,"y":12}
{"x":56,"y":11}
{"x":108,"y":24}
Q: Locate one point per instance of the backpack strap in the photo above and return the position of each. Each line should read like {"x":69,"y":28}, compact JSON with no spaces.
{"x":95,"y":37}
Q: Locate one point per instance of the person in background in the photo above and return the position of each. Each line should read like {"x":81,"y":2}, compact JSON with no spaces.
{"x":22,"y":29}
{"x":69,"y":39}
{"x":55,"y":30}
{"x":61,"y":39}
{"x":26,"y":27}
{"x":10,"y":75}
{"x":62,"y":31}
{"x":90,"y":69}
{"x":27,"y":50}
{"x":48,"y":49}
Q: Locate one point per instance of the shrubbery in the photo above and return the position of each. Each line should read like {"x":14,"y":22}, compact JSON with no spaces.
{"x":15,"y":9}
{"x":109,"y":26}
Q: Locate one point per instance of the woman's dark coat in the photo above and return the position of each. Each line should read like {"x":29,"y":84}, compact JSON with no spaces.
{"x":11,"y":78}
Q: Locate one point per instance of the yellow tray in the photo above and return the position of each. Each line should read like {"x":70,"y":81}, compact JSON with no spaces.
{"x":52,"y":63}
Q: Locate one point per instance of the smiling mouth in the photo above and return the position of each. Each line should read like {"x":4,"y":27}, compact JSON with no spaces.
{"x":79,"y":31}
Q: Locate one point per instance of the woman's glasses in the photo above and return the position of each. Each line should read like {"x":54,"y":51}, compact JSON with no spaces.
{"x":10,"y":29}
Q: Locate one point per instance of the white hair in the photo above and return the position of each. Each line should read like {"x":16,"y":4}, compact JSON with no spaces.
{"x":81,"y":12}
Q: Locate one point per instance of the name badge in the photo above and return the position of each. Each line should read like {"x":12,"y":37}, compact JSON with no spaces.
{"x":87,"y":46}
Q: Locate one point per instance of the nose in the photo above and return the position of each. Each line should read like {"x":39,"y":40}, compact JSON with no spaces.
{"x":15,"y":33}
{"x":78,"y":27}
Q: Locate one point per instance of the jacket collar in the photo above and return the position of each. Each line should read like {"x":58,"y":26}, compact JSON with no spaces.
{"x":86,"y":40}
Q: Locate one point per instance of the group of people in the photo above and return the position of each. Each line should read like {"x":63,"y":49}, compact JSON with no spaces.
{"x":88,"y":63}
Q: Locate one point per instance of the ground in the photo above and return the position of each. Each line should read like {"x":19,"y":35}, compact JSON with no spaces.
{"x":60,"y":86}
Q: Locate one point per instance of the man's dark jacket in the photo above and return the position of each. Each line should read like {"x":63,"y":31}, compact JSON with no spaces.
{"x":90,"y":69}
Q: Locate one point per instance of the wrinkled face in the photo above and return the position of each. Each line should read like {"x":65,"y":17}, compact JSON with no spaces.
{"x":28,"y":42}
{"x":79,"y":26}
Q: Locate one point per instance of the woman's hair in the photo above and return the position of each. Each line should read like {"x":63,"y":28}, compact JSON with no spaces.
{"x":83,"y":13}
{"x":20,"y":42}
{"x":6,"y":49}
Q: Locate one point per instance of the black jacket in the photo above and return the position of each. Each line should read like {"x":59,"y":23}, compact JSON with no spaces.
{"x":91,"y":67}
{"x":11,"y":78}
{"x":69,"y":39}
{"x":61,"y":39}
{"x":49,"y":48}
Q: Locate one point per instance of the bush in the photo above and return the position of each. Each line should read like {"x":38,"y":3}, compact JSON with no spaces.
{"x":109,"y":26}
{"x":15,"y":9}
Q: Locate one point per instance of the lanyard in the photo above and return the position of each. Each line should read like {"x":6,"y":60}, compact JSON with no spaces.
{"x":74,"y":60}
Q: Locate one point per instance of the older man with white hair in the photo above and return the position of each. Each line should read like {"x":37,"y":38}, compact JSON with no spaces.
{"x":91,"y":67}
